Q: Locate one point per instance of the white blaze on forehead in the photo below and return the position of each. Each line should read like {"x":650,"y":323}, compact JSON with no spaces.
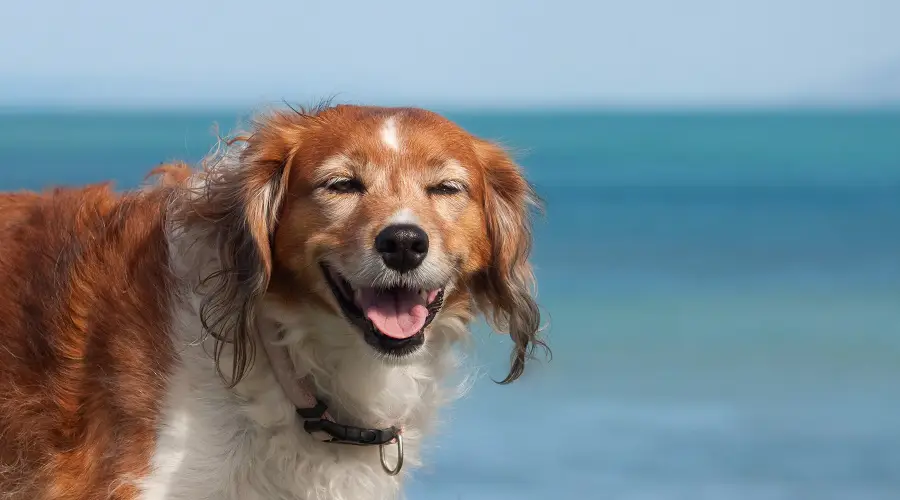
{"x":389,"y":134}
{"x":403,"y":216}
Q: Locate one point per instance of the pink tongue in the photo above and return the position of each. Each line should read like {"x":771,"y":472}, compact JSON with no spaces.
{"x":397,"y":313}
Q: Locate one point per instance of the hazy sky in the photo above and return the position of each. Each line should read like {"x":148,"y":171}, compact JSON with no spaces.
{"x":645,"y":52}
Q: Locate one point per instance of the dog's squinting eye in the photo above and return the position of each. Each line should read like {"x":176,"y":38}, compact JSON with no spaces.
{"x":446,"y":188}
{"x":345,"y":185}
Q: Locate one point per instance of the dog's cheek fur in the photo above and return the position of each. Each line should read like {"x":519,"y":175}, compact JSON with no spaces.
{"x":505,"y":289}
{"x":297,"y":247}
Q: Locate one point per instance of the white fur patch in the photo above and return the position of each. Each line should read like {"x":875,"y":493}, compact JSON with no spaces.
{"x":389,"y":134}
{"x":403,"y":216}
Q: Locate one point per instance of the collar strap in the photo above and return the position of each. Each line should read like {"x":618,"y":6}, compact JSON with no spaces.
{"x":329,"y":431}
{"x":318,"y":423}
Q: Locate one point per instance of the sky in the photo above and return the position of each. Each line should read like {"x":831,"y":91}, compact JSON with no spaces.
{"x":460,"y":52}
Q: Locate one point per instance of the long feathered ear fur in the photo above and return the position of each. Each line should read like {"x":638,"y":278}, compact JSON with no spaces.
{"x":506,"y":290}
{"x":233,"y":207}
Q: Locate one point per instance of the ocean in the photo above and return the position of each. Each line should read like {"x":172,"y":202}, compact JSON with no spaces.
{"x":722,"y":291}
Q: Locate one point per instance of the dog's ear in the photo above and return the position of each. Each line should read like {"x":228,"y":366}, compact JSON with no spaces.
{"x":235,"y":210}
{"x":505,"y":289}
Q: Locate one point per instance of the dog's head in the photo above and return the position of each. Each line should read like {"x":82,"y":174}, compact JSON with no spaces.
{"x":388,"y":219}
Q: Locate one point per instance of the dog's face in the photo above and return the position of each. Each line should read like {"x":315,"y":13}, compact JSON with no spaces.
{"x":383,"y":222}
{"x":389,"y":219}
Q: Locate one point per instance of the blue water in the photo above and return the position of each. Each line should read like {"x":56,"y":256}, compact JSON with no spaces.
{"x":723,"y":290}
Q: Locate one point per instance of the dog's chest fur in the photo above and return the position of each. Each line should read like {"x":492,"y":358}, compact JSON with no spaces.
{"x":247,"y":443}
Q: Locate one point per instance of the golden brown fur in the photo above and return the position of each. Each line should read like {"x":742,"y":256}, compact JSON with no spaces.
{"x":171,"y":174}
{"x":84,"y":306}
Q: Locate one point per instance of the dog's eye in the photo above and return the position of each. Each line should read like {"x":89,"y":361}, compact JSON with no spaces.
{"x":344,"y":185}
{"x":446,"y":188}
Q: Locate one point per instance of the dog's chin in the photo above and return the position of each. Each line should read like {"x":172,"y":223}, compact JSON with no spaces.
{"x":391,"y":320}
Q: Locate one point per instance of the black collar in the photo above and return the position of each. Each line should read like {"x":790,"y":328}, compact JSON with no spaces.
{"x":315,"y":424}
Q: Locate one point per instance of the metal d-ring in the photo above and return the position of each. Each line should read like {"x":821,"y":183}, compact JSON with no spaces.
{"x":384,"y":465}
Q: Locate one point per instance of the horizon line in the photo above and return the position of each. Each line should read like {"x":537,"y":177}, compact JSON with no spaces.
{"x":892,"y":106}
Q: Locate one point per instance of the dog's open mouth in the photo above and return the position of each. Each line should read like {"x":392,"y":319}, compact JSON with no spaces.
{"x":392,"y":320}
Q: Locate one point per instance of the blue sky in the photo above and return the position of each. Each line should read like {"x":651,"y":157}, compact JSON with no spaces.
{"x":461,"y":52}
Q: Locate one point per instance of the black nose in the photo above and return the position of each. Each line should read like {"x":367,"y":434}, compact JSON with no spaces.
{"x":402,"y":246}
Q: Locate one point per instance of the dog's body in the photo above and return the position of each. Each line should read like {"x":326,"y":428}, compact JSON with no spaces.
{"x":132,"y":364}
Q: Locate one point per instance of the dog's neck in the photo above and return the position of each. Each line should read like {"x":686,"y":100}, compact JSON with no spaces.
{"x":361,"y":388}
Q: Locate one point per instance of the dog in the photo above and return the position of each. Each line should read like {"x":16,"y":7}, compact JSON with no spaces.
{"x":279,"y":323}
